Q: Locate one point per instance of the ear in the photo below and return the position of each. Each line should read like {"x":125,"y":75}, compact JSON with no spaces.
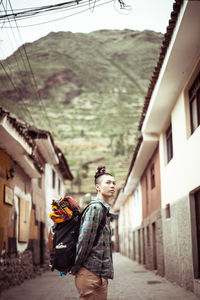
{"x":97,"y":187}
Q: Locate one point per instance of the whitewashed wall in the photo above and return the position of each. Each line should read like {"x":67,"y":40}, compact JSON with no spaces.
{"x":50,"y":192}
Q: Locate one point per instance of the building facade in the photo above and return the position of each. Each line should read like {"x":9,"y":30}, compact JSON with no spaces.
{"x":170,"y":132}
{"x":152,"y":233}
{"x":23,"y":224}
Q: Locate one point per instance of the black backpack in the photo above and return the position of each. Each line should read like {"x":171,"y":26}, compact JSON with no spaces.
{"x":65,"y":238}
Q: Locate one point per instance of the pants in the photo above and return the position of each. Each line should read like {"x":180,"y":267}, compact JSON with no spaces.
{"x":91,"y":286}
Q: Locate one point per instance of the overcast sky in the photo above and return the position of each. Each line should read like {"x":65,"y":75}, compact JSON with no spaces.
{"x":145,"y":14}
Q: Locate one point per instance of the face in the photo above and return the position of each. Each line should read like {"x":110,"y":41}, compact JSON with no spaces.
{"x":106,"y":187}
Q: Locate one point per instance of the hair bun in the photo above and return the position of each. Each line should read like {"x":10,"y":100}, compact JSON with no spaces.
{"x":100,"y":171}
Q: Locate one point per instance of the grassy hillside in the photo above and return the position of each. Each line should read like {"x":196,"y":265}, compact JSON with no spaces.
{"x":92,"y":88}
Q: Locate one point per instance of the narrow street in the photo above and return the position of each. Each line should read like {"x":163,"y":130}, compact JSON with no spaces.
{"x":132,"y":281}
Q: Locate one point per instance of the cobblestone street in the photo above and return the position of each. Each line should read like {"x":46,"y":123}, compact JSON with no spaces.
{"x":132,"y":281}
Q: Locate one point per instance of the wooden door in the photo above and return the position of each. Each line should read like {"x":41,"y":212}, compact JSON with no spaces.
{"x":24,"y":220}
{"x":154,"y":246}
{"x":197,"y":209}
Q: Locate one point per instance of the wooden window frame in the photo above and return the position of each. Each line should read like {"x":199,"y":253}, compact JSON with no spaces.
{"x":169,"y":143}
{"x":59,"y":185}
{"x":197,"y":209}
{"x":53,"y":179}
{"x":152,"y":172}
{"x":168,"y":211}
{"x":194,"y":95}
{"x":40,"y":182}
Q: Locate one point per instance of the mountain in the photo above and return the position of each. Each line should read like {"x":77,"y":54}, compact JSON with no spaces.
{"x":91,"y":90}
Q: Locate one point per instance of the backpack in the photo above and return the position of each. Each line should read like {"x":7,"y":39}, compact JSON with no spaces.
{"x":63,"y":238}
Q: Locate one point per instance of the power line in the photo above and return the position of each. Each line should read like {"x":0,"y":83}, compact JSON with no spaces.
{"x":42,"y":23}
{"x":31,"y":70}
{"x":13,"y":36}
{"x":24,"y":104}
{"x":40,"y":9}
{"x":58,"y":10}
{"x":8,"y":76}
{"x":15,"y":88}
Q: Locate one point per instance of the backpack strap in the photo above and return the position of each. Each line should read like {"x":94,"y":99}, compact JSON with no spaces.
{"x":101,"y":224}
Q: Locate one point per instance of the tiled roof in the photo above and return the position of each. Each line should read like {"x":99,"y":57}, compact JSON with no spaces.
{"x":21,"y":127}
{"x":63,"y":165}
{"x":166,"y":40}
{"x":30,"y":133}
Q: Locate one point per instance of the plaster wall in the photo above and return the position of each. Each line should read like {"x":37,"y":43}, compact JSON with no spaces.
{"x":180,"y":178}
{"x":52,"y":193}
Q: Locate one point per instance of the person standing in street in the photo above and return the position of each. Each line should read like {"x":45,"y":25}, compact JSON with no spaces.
{"x":93,"y":265}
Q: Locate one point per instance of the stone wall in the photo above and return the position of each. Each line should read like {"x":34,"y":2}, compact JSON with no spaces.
{"x":154,"y":253}
{"x":177,"y":238}
{"x":16,"y":268}
{"x":145,"y":243}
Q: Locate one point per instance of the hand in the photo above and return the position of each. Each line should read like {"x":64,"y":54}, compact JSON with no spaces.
{"x":73,"y":271}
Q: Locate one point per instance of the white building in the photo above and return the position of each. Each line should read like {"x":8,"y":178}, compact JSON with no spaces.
{"x":128,"y":204}
{"x":170,"y":121}
{"x":55,"y":173}
{"x":172,"y":113}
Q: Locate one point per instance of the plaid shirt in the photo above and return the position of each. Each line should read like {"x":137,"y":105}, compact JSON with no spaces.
{"x":97,"y":259}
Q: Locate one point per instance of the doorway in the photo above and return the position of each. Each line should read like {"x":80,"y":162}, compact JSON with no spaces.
{"x":197,"y":213}
{"x":143,"y":246}
{"x":154,"y":246}
{"x":42,"y":243}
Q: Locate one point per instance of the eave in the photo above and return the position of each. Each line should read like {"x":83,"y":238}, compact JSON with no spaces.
{"x":17,"y":147}
{"x":182,"y":54}
{"x":63,"y":165}
{"x":44,"y":142}
{"x":146,"y":150}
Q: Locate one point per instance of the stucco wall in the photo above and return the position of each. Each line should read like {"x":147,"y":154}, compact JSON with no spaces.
{"x":151,"y":197}
{"x":181,"y":174}
{"x":179,"y":178}
{"x":50,"y":192}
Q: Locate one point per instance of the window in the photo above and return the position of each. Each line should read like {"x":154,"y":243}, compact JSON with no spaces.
{"x":153,"y":183}
{"x":148,"y":236}
{"x":53,"y":179}
{"x":167,"y":211}
{"x":169,"y":143}
{"x":197,"y":211}
{"x":40,"y":182}
{"x":194,"y":96}
{"x":59,"y":186}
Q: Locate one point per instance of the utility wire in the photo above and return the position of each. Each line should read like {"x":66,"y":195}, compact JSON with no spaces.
{"x":40,"y":9}
{"x":24,"y":104}
{"x":15,"y":88}
{"x":33,"y":76}
{"x":60,"y":10}
{"x":8,"y":76}
{"x":42,"y":23}
{"x":10,"y":39}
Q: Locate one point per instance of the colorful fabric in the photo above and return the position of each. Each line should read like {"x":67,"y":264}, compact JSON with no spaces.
{"x":97,"y":259}
{"x":62,"y":209}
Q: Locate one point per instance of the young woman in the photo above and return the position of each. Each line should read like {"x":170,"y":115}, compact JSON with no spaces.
{"x":93,"y":265}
